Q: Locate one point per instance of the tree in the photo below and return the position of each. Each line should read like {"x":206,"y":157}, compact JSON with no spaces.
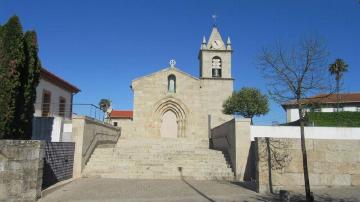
{"x":104,"y":104}
{"x":11,"y":64}
{"x":30,"y":80}
{"x":19,"y":77}
{"x":338,"y":68}
{"x":294,"y":74}
{"x":248,"y":102}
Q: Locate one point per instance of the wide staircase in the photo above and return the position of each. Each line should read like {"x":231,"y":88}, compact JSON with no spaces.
{"x":150,"y":158}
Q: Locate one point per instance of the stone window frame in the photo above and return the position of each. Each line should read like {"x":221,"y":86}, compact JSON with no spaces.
{"x":170,"y":77}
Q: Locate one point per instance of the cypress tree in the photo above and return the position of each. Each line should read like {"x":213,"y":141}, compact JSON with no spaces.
{"x":11,"y":64}
{"x":19,"y":77}
{"x":31,"y":80}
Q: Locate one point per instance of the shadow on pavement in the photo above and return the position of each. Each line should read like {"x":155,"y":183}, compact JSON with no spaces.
{"x":247,"y":185}
{"x":192,"y":187}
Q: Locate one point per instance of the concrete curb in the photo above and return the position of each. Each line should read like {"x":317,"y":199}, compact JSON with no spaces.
{"x":56,"y":186}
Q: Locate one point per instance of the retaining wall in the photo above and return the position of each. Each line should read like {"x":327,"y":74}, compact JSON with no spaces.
{"x":331,"y":162}
{"x":87,"y":133}
{"x":233,"y":137}
{"x":21,"y":169}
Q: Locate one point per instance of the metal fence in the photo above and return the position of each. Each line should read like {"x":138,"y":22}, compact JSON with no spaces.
{"x":68,"y":110}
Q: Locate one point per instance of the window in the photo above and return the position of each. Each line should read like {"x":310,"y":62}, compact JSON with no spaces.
{"x":62,"y":106}
{"x":46,"y":101}
{"x":115,"y":123}
{"x":216,"y":67}
{"x":171,"y":83}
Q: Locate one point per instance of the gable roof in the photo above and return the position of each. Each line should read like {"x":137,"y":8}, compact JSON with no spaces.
{"x":127,"y":114}
{"x":215,"y":35}
{"x":164,"y":70}
{"x":329,"y":99}
{"x":51,"y":77}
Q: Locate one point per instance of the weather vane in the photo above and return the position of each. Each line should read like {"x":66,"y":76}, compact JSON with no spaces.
{"x":214,"y":17}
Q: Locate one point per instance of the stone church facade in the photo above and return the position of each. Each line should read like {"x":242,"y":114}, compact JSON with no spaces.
{"x":174,"y":104}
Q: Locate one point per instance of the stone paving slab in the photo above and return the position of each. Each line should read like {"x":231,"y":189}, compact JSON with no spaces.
{"x":101,"y":189}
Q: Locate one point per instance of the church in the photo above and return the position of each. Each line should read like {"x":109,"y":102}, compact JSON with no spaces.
{"x":171,"y":103}
{"x":167,"y":135}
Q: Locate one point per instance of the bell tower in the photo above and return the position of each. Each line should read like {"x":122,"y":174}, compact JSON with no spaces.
{"x":215,"y":57}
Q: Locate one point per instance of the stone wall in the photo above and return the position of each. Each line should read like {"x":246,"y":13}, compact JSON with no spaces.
{"x":151,"y":97}
{"x":223,"y":139}
{"x":330,"y":163}
{"x":192,"y":102}
{"x":213,"y":93}
{"x":21,"y":169}
{"x":233,"y":137}
{"x":88,"y":133}
{"x":126,"y":125}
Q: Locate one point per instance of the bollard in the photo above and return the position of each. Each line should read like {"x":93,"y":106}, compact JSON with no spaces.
{"x":284,"y":196}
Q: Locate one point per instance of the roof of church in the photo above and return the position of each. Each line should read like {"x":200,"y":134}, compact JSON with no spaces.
{"x":164,"y":70}
{"x":215,"y":35}
{"x":121,"y":114}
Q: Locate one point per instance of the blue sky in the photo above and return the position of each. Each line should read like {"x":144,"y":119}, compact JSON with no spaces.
{"x":100,"y":46}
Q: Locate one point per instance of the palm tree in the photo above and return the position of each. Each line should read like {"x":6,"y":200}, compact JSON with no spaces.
{"x":104,"y":104}
{"x":337,"y":69}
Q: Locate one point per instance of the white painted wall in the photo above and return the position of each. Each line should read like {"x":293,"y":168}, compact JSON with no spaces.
{"x":350,"y":109}
{"x":327,"y":109}
{"x":293,"y":114}
{"x":56,"y":92}
{"x":67,"y":131}
{"x":57,"y":129}
{"x":332,"y":133}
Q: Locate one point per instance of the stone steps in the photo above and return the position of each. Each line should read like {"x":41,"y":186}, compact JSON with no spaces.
{"x":146,"y":158}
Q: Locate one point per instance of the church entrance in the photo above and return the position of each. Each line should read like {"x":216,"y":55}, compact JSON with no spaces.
{"x":169,"y":125}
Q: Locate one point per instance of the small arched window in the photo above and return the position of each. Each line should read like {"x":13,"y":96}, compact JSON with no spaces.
{"x":216,"y":66}
{"x":171,"y":83}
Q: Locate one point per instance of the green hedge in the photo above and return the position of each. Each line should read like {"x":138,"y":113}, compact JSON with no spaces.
{"x":340,"y":119}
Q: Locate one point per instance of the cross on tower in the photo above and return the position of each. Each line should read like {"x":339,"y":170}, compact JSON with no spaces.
{"x":214,"y":17}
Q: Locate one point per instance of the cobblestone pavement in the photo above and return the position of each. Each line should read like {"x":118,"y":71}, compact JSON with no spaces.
{"x":99,"y":189}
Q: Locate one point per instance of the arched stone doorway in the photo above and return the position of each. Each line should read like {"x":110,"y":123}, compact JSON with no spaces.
{"x":174,"y":113}
{"x":169,"y":126}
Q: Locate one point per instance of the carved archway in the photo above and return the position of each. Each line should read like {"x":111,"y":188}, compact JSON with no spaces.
{"x":165,"y":105}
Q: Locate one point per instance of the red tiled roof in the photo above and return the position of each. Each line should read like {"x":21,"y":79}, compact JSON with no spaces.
{"x":330,"y":99}
{"x":46,"y":75}
{"x":121,"y":114}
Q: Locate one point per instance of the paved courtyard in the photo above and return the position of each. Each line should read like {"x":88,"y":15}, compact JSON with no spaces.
{"x":99,"y":189}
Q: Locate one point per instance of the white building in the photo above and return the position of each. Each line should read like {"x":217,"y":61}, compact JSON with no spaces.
{"x":53,"y":108}
{"x":325,"y":103}
{"x":54,"y":96}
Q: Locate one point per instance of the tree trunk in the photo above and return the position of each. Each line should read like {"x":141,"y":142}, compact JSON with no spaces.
{"x":269,"y":164}
{"x":337,"y":92}
{"x":304,"y":155}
